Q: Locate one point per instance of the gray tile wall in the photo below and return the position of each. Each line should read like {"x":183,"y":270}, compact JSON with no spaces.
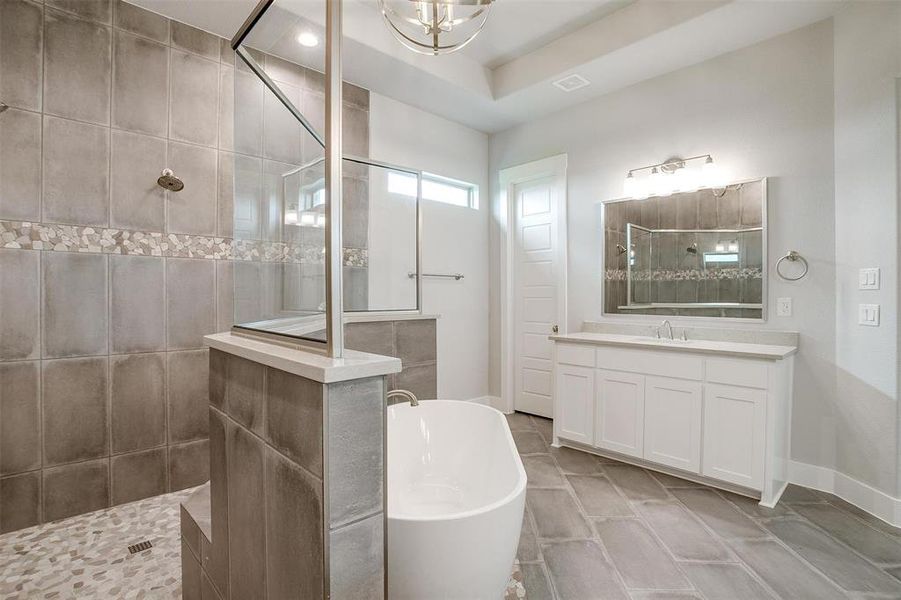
{"x":268,"y":495}
{"x":99,"y":352}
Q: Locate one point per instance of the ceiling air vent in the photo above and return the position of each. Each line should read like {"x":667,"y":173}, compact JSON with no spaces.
{"x":571,"y":83}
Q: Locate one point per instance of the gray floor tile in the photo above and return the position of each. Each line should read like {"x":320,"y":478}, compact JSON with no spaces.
{"x":529,"y":442}
{"x":795,"y":493}
{"x":576,"y":461}
{"x":536,"y":583}
{"x":542,"y":471}
{"x":636,"y":483}
{"x":664,"y":595}
{"x":724,"y":581}
{"x":580,"y":571}
{"x":556,"y":514}
{"x":545,"y":427}
{"x":719,"y":515}
{"x":841,"y":565}
{"x":598,"y":496}
{"x":639,"y":558}
{"x":518,"y":421}
{"x":682,"y":533}
{"x":786,"y":574}
{"x":875,"y":545}
{"x":872,"y":520}
{"x":670,"y":481}
{"x":752,"y":508}
{"x":528,"y":544}
{"x":895,"y":572}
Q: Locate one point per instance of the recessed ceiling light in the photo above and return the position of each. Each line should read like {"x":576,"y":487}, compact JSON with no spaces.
{"x":571,"y":83}
{"x":307,"y":39}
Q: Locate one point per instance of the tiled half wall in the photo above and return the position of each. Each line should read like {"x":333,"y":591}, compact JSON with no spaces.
{"x":108,"y":283}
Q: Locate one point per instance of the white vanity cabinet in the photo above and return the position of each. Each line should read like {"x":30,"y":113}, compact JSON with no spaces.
{"x":722,"y":418}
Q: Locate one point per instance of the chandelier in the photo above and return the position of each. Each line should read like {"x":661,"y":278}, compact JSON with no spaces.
{"x":435,"y":26}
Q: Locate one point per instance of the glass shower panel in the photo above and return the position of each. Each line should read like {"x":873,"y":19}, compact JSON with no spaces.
{"x":639,"y":265}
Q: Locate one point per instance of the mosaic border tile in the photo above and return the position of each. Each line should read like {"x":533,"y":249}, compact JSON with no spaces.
{"x":24,"y":235}
{"x":685,"y":274}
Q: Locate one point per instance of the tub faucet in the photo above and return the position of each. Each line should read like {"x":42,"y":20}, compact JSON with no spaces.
{"x":404,"y":394}
{"x":666,"y":325}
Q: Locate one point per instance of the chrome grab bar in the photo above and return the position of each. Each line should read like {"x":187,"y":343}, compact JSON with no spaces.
{"x":455,"y":276}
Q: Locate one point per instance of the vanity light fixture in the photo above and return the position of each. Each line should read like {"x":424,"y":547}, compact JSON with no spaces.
{"x":673,"y":175}
{"x":435,"y":26}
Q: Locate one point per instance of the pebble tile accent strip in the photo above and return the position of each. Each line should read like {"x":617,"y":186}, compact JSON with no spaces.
{"x":72,"y":238}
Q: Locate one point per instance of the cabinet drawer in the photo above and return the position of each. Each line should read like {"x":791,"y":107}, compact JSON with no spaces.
{"x":737,"y":371}
{"x":649,"y":362}
{"x":575,"y":354}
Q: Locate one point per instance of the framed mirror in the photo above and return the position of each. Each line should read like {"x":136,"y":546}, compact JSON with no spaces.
{"x":689,"y":254}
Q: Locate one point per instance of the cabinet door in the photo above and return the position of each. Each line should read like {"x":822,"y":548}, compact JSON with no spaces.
{"x":574,"y":400}
{"x":620,"y":412}
{"x":735,"y":434}
{"x":672,"y":425}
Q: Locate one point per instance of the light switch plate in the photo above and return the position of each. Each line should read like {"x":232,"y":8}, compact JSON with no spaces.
{"x":869,"y":279}
{"x":868,"y":314}
{"x":783,"y":307}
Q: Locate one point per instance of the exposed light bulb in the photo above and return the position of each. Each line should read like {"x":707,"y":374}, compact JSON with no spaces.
{"x":307,"y":39}
{"x":710,"y":174}
{"x":658,"y":183}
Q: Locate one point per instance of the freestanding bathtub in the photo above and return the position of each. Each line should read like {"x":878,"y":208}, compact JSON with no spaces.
{"x":456,"y":492}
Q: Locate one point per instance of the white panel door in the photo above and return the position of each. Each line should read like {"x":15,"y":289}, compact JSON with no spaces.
{"x":620,"y":412}
{"x":735,"y":434}
{"x":672,"y":426}
{"x":574,"y":395}
{"x":536,"y":296}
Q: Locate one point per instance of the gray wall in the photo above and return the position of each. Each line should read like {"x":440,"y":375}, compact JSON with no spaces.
{"x":108,"y":283}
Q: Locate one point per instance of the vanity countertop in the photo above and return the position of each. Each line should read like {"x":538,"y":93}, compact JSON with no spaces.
{"x":739,"y":349}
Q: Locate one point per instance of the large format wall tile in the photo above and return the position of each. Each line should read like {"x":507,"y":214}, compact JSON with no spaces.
{"x":422,"y":380}
{"x":137,"y":202}
{"x":356,"y":567}
{"x":20,"y":165}
{"x":21,"y":53}
{"x":218,"y":562}
{"x":20,"y":501}
{"x":138,"y":401}
{"x":294,"y":532}
{"x":75,"y":489}
{"x":95,"y":10}
{"x":76,"y":172}
{"x":294,"y":415}
{"x":20,"y":297}
{"x":190,"y":298}
{"x":355,"y":449}
{"x":76,"y":422}
{"x":137,"y":306}
{"x":140,"y":84}
{"x":185,"y":37}
{"x":77,"y":68}
{"x":246,"y":393}
{"x":281,"y":131}
{"x":189,"y":464}
{"x":188,"y":395}
{"x":141,"y":22}
{"x":240,"y":196}
{"x":20,"y":427}
{"x":246,"y":514}
{"x":247,"y":133}
{"x":138,"y":476}
{"x":417,"y":341}
{"x":194,"y":90}
{"x":75,"y":304}
{"x":193,"y":210}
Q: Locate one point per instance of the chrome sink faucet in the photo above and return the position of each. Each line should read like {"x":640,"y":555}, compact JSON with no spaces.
{"x":404,"y":394}
{"x":668,"y":327}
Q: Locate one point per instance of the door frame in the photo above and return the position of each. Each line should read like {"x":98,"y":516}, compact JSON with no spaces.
{"x":554,"y":166}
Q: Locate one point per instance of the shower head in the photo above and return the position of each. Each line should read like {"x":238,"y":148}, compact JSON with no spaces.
{"x":169,"y":181}
{"x":3,"y":107}
{"x":620,"y":249}
{"x":693,"y":249}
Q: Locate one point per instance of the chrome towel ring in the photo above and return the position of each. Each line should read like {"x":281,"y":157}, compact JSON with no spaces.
{"x":792,"y":256}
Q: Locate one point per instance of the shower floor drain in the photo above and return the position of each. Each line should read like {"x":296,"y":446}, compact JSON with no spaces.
{"x":140,"y":547}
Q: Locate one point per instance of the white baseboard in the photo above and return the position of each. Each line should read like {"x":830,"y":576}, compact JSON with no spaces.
{"x":861,"y":495}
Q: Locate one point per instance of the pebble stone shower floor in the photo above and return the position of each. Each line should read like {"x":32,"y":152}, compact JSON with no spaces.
{"x":594,"y":529}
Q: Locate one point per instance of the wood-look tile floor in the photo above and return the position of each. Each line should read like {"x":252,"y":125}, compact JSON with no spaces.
{"x":600,"y":529}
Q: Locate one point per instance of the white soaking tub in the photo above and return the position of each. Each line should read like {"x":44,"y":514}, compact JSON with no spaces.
{"x":456,"y":493}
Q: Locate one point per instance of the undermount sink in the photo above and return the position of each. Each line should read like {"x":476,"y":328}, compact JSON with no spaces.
{"x":647,"y":338}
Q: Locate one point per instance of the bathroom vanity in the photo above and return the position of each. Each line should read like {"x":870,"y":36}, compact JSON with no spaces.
{"x":718,"y":412}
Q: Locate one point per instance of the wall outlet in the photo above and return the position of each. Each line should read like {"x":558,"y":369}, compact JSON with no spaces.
{"x":868,"y":314}
{"x":869,"y":279}
{"x":783,"y":307}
